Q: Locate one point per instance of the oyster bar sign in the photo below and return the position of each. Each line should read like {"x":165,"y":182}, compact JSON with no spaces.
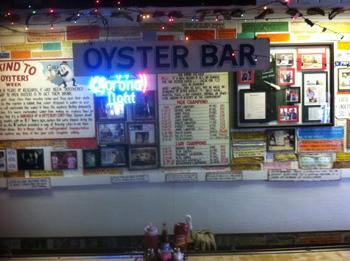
{"x":107,"y":58}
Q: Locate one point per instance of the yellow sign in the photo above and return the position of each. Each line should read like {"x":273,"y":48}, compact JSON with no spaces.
{"x":26,"y":46}
{"x":45,"y":173}
{"x":47,"y":54}
{"x":251,"y":135}
{"x":343,"y":45}
{"x":246,"y":160}
{"x":284,"y":157}
{"x":343,"y":156}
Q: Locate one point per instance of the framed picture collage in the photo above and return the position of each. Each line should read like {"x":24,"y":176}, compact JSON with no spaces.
{"x":296,"y":90}
{"x":127,"y":136}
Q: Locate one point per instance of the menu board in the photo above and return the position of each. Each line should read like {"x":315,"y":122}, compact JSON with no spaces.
{"x":41,"y":100}
{"x":193,"y":119}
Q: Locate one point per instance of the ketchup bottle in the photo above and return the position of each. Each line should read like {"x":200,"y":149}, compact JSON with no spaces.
{"x":151,"y":237}
{"x":180,"y":236}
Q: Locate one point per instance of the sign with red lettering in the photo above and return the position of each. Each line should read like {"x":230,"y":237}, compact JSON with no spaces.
{"x":193,"y":119}
{"x":41,"y":100}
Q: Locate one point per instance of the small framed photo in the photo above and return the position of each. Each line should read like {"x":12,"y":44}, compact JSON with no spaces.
{"x":289,"y":113}
{"x":2,"y":160}
{"x":286,"y":76}
{"x":343,"y":79}
{"x":292,"y":95}
{"x":111,"y":133}
{"x":281,"y":140}
{"x":246,"y":77}
{"x":113,"y":156}
{"x":106,"y":111}
{"x":311,"y":59}
{"x":65,"y":159}
{"x":314,"y":88}
{"x":143,"y":158}
{"x":142,"y":133}
{"x":30,"y":159}
{"x":284,"y":59}
{"x":145,"y":106}
{"x":91,"y":159}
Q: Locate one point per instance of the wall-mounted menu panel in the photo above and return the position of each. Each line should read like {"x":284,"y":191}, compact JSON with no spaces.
{"x":41,"y":100}
{"x":193,"y":119}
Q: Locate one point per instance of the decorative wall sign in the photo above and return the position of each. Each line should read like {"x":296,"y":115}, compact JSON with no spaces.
{"x":194,"y":119}
{"x":41,"y":100}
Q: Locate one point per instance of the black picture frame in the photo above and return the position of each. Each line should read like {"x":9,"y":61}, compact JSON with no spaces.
{"x":30,"y":159}
{"x":292,"y":95}
{"x":145,"y":106}
{"x":104,"y":111}
{"x":64,"y":160}
{"x":111,"y":133}
{"x":280,"y":140}
{"x":3,"y":162}
{"x":143,"y":158}
{"x":142,"y":133}
{"x":113,"y":156}
{"x":245,"y":115}
{"x":91,"y":159}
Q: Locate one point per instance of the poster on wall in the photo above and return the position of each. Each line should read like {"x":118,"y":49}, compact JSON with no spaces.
{"x":42,"y":100}
{"x":193,"y":119}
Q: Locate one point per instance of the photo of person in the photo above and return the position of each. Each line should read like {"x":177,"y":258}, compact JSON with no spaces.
{"x":105,"y":111}
{"x":141,"y":133}
{"x":281,"y":140}
{"x":64,"y":160}
{"x":111,"y":133}
{"x":145,"y":106}
{"x":292,"y":95}
{"x":288,"y":114}
{"x":246,"y":77}
{"x":30,"y":159}
{"x":2,"y":160}
{"x":143,"y":158}
{"x":91,"y":159}
{"x":343,"y":79}
{"x":315,"y":88}
{"x":286,"y":59}
{"x":113,"y":156}
{"x":286,"y":76}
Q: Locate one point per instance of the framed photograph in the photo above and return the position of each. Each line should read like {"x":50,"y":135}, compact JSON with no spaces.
{"x":311,"y":59}
{"x":91,"y":159}
{"x":292,"y":95}
{"x":281,"y":140}
{"x":143,"y":158}
{"x":344,"y":79}
{"x":314,"y":88}
{"x":286,"y":76}
{"x":65,"y":159}
{"x":111,"y":133}
{"x":246,"y":77}
{"x":106,"y":111}
{"x":145,"y":106}
{"x":313,"y":113}
{"x":30,"y":159}
{"x":142,"y":133}
{"x":113,"y":156}
{"x":284,"y":59}
{"x":289,"y":113}
{"x":2,"y":160}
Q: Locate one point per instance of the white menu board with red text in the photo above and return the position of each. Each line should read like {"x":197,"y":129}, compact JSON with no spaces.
{"x":194,"y":119}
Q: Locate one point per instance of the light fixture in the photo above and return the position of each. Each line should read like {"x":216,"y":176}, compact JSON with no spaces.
{"x":292,"y":12}
{"x":335,"y":12}
{"x":324,"y":29}
{"x":315,"y":11}
{"x":309,"y":22}
{"x":264,"y":13}
{"x":237,"y":13}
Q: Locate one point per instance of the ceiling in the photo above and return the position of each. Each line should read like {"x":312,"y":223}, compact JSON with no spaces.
{"x":84,"y":4}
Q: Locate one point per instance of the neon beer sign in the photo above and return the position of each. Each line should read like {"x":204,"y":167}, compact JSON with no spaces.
{"x":120,"y":90}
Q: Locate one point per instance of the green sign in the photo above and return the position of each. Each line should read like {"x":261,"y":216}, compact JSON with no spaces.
{"x":265,"y":27}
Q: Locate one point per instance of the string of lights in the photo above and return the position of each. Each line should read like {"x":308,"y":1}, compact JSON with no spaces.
{"x":142,"y":15}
